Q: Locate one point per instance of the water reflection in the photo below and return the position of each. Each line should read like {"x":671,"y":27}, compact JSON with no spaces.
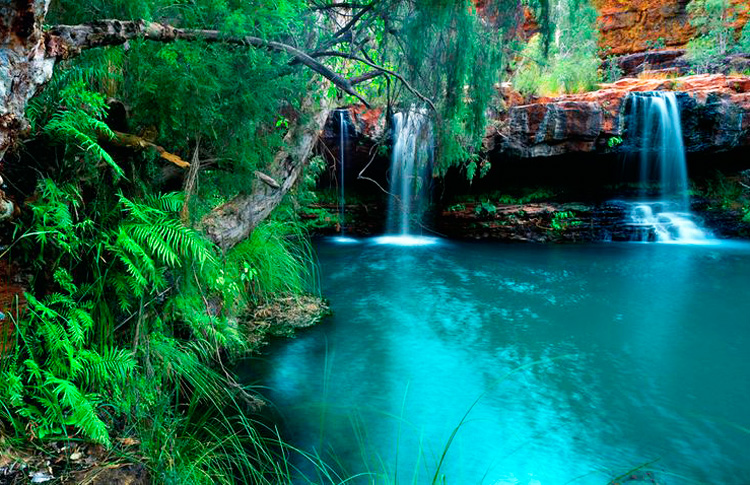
{"x":580,"y":363}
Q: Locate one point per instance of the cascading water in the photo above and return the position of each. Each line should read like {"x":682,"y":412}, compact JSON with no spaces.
{"x":654,"y":121}
{"x":342,"y":173}
{"x":343,"y":139}
{"x":410,"y":176}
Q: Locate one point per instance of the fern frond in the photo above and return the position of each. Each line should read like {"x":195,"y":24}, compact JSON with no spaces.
{"x":82,"y":410}
{"x":109,"y":368}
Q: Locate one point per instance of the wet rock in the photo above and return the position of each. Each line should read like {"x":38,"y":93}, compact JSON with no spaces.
{"x":715,"y":112}
{"x":533,"y":222}
{"x":552,"y":222}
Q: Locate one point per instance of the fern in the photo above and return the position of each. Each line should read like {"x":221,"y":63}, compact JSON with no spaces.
{"x":71,"y":113}
{"x":152,"y":240}
{"x":82,"y":411}
{"x":101,"y":370}
{"x":80,"y":127}
{"x":62,"y":369}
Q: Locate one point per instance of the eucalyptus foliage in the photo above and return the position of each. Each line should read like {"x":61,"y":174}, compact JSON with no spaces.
{"x":570,"y":63}
{"x":717,"y":34}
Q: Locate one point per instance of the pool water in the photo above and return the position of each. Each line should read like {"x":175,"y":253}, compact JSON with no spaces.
{"x":549,"y":365}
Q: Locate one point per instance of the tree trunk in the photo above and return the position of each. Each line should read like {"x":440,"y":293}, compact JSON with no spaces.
{"x":230,"y":223}
{"x":24,"y":68}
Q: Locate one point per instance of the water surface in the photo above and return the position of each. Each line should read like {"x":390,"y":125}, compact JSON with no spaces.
{"x":581,"y":363}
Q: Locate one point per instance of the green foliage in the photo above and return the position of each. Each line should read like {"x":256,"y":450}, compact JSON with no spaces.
{"x":612,"y":70}
{"x":150,"y":240}
{"x":723,"y":192}
{"x":716,"y":35}
{"x":614,"y":141}
{"x":70,"y":112}
{"x":66,"y":380}
{"x":743,"y":44}
{"x":519,"y":197}
{"x":657,"y":44}
{"x":485,"y":208}
{"x":571,"y":63}
{"x":281,"y":258}
{"x":67,"y":367}
{"x":563,"y":220}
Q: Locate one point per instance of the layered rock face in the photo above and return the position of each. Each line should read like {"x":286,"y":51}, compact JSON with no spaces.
{"x":628,"y":26}
{"x":715,"y":112}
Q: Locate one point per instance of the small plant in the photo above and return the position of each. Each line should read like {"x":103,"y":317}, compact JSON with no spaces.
{"x":283,"y":122}
{"x":614,"y":141}
{"x":485,"y":208}
{"x":612,"y":70}
{"x":654,"y":45}
{"x":564,"y":220}
{"x":457,"y":208}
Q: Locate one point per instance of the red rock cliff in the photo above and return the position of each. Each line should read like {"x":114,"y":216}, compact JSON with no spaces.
{"x":629,"y":26}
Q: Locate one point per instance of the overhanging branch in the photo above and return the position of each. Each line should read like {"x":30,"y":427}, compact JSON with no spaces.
{"x":68,"y":40}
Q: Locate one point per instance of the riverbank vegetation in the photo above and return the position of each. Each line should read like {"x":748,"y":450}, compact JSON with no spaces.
{"x":143,"y":278}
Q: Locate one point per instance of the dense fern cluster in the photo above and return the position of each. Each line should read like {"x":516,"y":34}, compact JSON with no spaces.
{"x":152,"y":306}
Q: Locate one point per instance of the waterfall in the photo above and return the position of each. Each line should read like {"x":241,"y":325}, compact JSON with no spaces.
{"x":654,"y":125}
{"x":410,"y":173}
{"x":343,"y":135}
{"x":343,"y":140}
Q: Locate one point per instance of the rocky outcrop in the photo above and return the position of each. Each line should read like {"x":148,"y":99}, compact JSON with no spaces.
{"x":534,"y":222}
{"x":715,"y":112}
{"x":666,"y":61}
{"x":674,"y":62}
{"x":628,"y":26}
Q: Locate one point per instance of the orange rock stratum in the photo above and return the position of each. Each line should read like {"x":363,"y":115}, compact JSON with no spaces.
{"x":629,"y":26}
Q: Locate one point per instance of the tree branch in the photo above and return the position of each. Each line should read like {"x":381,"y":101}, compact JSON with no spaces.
{"x":355,"y":19}
{"x":135,"y":142}
{"x":340,"y":5}
{"x":379,"y":68}
{"x":365,"y":77}
{"x":68,"y":40}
